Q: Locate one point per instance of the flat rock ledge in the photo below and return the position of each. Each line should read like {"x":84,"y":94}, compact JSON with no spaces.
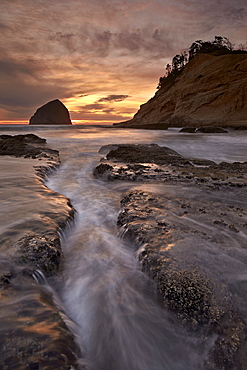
{"x":148,"y":163}
{"x":39,"y":251}
{"x":174,"y":230}
{"x":34,"y":335}
{"x":205,"y":129}
{"x":27,"y":146}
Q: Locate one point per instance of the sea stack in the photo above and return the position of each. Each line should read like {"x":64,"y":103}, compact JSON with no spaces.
{"x":52,"y":113}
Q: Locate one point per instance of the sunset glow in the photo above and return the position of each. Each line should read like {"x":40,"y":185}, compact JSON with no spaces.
{"x":101,"y":58}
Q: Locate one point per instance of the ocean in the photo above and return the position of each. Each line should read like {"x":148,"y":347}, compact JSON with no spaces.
{"x":110,"y":304}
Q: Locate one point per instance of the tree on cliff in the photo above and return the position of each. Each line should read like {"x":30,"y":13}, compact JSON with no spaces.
{"x":220,"y":45}
{"x":179,"y":62}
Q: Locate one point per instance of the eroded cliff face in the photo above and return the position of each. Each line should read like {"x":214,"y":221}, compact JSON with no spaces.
{"x":211,"y":90}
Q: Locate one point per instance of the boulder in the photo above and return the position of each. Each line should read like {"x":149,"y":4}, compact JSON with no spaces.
{"x":27,"y":146}
{"x":205,"y":129}
{"x":52,"y":113}
{"x":212,"y":130}
{"x":190,"y":130}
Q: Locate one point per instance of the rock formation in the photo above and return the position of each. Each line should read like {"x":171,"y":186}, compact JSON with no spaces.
{"x":27,"y":146}
{"x":150,"y":162}
{"x":52,"y":113}
{"x":176,"y":230}
{"x":210,"y":91}
{"x":34,"y":332}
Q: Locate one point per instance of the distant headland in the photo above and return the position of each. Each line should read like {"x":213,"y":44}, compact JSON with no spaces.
{"x":205,"y":86}
{"x":52,"y":113}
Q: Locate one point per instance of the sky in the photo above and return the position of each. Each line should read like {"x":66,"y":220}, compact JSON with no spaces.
{"x":101,"y":58}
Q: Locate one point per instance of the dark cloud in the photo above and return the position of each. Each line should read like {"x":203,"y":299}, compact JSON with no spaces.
{"x":23,"y":87}
{"x":113,"y":98}
{"x":4,"y":26}
{"x":95,"y":40}
{"x":94,"y":117}
{"x":236,"y":14}
{"x":108,"y":110}
{"x":60,"y":36}
{"x":94,"y":106}
{"x":148,"y":39}
{"x":67,"y":40}
{"x":15,"y":67}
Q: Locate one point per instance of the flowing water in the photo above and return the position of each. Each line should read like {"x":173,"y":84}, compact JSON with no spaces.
{"x":118,"y":323}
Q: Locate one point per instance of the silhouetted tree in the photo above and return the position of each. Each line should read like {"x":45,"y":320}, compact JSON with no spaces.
{"x":223,"y":42}
{"x":220,"y":45}
{"x":242,"y":47}
{"x":160,"y":82}
{"x":168,"y":69}
{"x":176,"y":63}
{"x":179,"y":62}
{"x":195,"y":48}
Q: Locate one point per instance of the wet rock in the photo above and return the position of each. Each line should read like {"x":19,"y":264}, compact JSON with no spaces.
{"x":52,"y":113}
{"x":162,"y":164}
{"x":164,"y":244}
{"x":106,"y":148}
{"x":39,"y":252}
{"x":27,"y":146}
{"x":34,"y":335}
{"x":5,"y":280}
{"x":102,"y":169}
{"x":152,"y":153}
{"x":188,"y":129}
{"x":164,"y":241}
{"x":212,"y":130}
{"x":27,"y":138}
{"x":205,"y":129}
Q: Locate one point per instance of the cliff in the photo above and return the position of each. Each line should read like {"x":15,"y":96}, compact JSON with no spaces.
{"x":52,"y":113}
{"x":210,"y":91}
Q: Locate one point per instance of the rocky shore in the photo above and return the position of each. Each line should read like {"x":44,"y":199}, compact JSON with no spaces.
{"x":38,"y":250}
{"x":189,"y":216}
{"x":34,"y":334}
{"x":154,"y":163}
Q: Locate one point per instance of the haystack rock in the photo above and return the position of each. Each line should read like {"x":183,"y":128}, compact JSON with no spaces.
{"x":52,"y":113}
{"x":210,"y":91}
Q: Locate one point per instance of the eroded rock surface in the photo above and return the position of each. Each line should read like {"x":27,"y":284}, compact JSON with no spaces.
{"x":33,"y":331}
{"x":186,"y":233}
{"x":205,"y":129}
{"x":154,"y":163}
{"x":33,"y":334}
{"x":174,"y":238}
{"x":28,"y":146}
